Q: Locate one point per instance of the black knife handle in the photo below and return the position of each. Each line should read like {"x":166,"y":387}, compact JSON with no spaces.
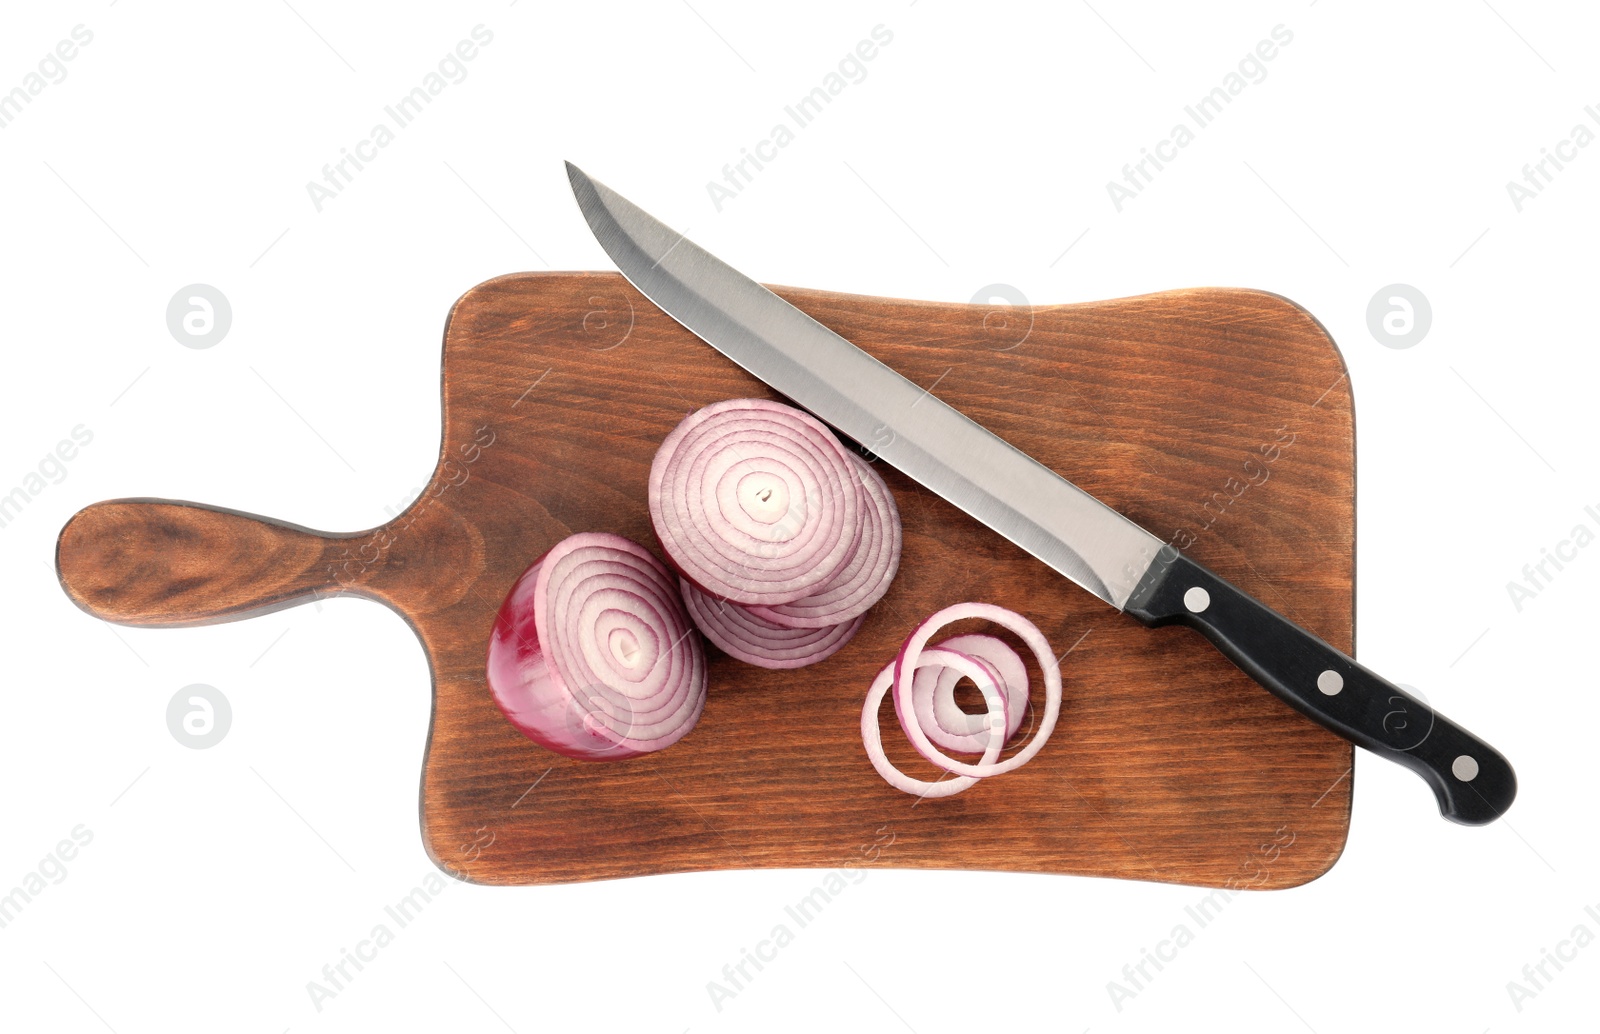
{"x":1473,"y":782}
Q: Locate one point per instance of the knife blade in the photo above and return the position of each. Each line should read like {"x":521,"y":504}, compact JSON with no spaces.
{"x":1028,"y":503}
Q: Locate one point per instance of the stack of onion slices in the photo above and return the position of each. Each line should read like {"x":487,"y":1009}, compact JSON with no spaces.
{"x":593,"y":655}
{"x":924,"y":678}
{"x":783,"y":537}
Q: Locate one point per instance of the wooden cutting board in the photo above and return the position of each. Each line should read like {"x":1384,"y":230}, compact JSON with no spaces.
{"x":1221,"y":418}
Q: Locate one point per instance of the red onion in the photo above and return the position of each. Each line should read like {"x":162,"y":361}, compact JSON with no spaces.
{"x":933,"y":658}
{"x":756,"y":502}
{"x":905,"y":667}
{"x":593,"y":655}
{"x":923,"y":679}
{"x":861,"y":582}
{"x":933,"y":694}
{"x":740,"y":632}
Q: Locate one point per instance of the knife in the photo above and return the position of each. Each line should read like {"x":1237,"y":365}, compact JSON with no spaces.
{"x":1025,"y":501}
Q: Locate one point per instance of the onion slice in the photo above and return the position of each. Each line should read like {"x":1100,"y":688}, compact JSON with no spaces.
{"x":592,"y":653}
{"x":905,"y":668}
{"x":756,"y":502}
{"x":923,"y":679}
{"x":931,"y":659}
{"x":739,"y":632}
{"x":934,"y":702}
{"x":866,"y":577}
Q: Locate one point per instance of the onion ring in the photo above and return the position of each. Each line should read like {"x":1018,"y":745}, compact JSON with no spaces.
{"x":931,"y":658}
{"x":905,"y":664}
{"x":933,"y":694}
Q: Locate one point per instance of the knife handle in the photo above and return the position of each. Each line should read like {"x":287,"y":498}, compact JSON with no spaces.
{"x":1474,"y":783}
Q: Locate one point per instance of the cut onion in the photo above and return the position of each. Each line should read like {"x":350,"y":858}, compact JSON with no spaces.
{"x":905,"y":668}
{"x":865,"y":578}
{"x":923,"y":680}
{"x":592,"y":653}
{"x":933,"y":695}
{"x":933,"y":659}
{"x":741,"y":633}
{"x":756,"y":502}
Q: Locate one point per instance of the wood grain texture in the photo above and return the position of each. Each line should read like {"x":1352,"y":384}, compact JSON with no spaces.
{"x":1168,"y":763}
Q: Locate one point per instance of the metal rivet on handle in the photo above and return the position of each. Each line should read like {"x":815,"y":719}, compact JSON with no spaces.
{"x":1465,"y":768}
{"x":1196,"y":599}
{"x":1330,"y":682}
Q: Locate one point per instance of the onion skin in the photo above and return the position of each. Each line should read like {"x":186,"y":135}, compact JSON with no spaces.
{"x":593,"y":655}
{"x":742,"y":634}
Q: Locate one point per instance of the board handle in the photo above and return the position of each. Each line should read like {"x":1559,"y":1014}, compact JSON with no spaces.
{"x":164,"y":562}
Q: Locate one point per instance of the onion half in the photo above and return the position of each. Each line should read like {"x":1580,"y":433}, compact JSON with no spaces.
{"x":740,"y":632}
{"x":592,"y":653}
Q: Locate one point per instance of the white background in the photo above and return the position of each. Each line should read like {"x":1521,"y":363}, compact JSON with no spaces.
{"x":977,"y":149}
